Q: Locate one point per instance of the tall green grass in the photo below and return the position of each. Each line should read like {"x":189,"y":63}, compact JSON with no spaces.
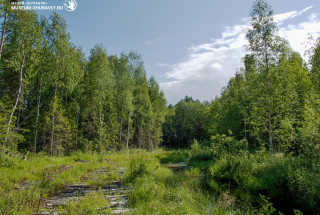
{"x":158,"y":190}
{"x":26,"y":181}
{"x":231,"y":183}
{"x":289,"y":181}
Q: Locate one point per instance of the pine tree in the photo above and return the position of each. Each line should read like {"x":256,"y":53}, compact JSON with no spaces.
{"x":57,"y":140}
{"x":142,"y":115}
{"x":158,"y":102}
{"x":98,"y":111}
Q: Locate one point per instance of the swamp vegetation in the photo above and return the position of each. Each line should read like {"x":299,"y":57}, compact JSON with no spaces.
{"x":160,"y":182}
{"x":94,"y":136}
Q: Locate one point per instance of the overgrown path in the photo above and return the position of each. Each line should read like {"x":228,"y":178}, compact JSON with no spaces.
{"x":88,"y":183}
{"x":115,"y":193}
{"x":141,"y":182}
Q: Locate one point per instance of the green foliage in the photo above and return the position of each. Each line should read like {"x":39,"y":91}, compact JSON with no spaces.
{"x":184,"y":123}
{"x":310,"y":129}
{"x":284,"y":179}
{"x":222,"y":144}
{"x":91,"y":204}
{"x":95,"y":104}
{"x":8,"y":158}
{"x":57,"y":135}
{"x":266,"y":206}
{"x":26,"y":182}
{"x":161,"y":191}
{"x":99,"y":124}
{"x":199,"y":153}
{"x":14,"y":137}
{"x":124,"y":91}
{"x":305,"y":185}
{"x":66,"y":103}
{"x":159,"y":108}
{"x":137,"y":168}
{"x":22,"y":202}
{"x":143,"y":115}
{"x":174,"y":156}
{"x":315,"y":62}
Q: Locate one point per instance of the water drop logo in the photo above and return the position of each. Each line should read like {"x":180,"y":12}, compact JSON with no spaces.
{"x":70,"y":5}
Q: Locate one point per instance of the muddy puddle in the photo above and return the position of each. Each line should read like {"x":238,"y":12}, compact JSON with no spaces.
{"x":177,"y":166}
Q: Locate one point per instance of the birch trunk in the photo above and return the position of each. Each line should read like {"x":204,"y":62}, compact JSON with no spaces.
{"x":37,"y":116}
{"x":269,"y":99}
{"x":3,"y":30}
{"x":77,"y":131}
{"x":120,"y":135}
{"x":18,"y":96}
{"x":54,"y":111}
{"x":128,"y":132}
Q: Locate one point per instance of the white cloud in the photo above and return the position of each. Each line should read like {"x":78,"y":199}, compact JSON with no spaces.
{"x":298,"y":34}
{"x":217,"y":66}
{"x":280,"y":18}
{"x":208,"y":67}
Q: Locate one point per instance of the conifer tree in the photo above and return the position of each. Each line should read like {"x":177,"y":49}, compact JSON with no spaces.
{"x":98,"y":109}
{"x":60,"y":137}
{"x":159,"y":108}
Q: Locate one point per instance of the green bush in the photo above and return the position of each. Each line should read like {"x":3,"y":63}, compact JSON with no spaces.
{"x":305,"y":184}
{"x":199,"y":153}
{"x":288,"y":180}
{"x":23,"y":202}
{"x":8,"y":158}
{"x":137,"y":168}
{"x":160,"y":191}
{"x":222,"y":144}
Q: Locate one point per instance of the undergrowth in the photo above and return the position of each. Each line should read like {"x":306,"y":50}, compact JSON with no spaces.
{"x":234,"y":182}
{"x":289,"y":181}
{"x":26,"y":181}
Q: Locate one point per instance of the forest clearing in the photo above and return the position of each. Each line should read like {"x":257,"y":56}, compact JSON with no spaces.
{"x":195,"y":181}
{"x":94,"y":135}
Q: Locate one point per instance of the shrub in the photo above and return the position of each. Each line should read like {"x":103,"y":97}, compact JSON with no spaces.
{"x":8,"y":158}
{"x":137,"y":168}
{"x":290,"y":181}
{"x":199,"y":153}
{"x":222,"y":144}
{"x":305,"y":185}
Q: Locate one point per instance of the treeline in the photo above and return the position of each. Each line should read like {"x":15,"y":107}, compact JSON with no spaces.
{"x":272,"y":102}
{"x":54,"y":99}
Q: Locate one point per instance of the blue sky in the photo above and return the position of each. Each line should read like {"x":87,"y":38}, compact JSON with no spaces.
{"x":192,"y":47}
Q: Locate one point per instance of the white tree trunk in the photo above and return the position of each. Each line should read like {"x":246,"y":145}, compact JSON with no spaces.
{"x":3,"y":30}
{"x":37,"y":117}
{"x":18,"y":96}
{"x":128,"y":132}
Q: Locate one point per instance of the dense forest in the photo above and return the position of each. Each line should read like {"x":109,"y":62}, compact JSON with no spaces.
{"x":258,"y":141}
{"x":54,"y":99}
{"x":272,"y":102}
